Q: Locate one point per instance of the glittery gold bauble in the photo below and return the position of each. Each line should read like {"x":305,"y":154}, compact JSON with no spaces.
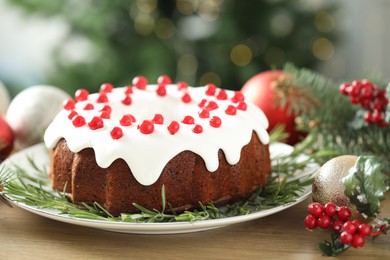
{"x":327,"y":185}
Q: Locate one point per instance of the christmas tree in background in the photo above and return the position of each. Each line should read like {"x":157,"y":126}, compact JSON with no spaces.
{"x":198,"y":41}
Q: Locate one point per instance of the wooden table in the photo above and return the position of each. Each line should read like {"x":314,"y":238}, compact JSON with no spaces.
{"x":24,"y":235}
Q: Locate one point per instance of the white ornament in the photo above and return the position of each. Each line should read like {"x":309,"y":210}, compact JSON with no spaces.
{"x":31,"y":111}
{"x":4,"y":99}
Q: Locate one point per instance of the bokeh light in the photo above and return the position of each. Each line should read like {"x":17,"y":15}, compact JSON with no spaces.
{"x":241,"y":55}
{"x":323,"y":49}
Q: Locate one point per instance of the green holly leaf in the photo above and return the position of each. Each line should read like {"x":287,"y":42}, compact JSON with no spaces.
{"x":334,"y":247}
{"x":365,"y":185}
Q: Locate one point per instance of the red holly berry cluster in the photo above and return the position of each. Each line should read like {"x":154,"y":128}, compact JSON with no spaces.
{"x":370,"y":97}
{"x":352,"y":232}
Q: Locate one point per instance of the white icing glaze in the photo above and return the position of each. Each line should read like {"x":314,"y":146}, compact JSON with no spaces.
{"x":147,"y":154}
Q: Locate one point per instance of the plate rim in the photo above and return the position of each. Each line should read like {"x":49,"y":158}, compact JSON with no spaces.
{"x":148,"y":228}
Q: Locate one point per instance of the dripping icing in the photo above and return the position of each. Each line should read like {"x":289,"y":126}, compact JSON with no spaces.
{"x":150,"y":153}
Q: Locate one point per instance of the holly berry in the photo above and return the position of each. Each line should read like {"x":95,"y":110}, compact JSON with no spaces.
{"x":330,"y":209}
{"x":364,"y":229}
{"x":337,"y":225}
{"x":344,"y":213}
{"x":370,"y":97}
{"x":324,"y":221}
{"x":358,"y":241}
{"x":346,"y":238}
{"x":310,"y":222}
{"x":315,"y":209}
{"x":349,"y":227}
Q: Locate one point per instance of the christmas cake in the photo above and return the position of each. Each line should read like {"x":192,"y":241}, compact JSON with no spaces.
{"x":122,"y":145}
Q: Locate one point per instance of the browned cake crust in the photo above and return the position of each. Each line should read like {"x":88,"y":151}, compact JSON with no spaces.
{"x":185,"y":178}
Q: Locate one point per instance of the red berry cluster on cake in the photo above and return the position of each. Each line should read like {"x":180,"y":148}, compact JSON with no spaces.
{"x":143,"y":136}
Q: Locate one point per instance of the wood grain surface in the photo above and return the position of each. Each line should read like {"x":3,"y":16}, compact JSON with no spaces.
{"x":280,"y":236}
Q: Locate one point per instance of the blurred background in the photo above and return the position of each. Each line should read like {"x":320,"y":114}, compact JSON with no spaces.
{"x":76,"y":44}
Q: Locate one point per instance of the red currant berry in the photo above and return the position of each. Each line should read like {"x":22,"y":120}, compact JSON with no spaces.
{"x":210,"y":89}
{"x":106,"y":88}
{"x":96,"y":123}
{"x":128,"y":90}
{"x":315,"y":209}
{"x":346,"y":238}
{"x":202,"y":103}
{"x":231,"y":110}
{"x":310,"y":222}
{"x":146,"y":127}
{"x":102,"y":98}
{"x":337,"y":225}
{"x":69,"y":104}
{"x":107,"y":109}
{"x":126,"y":120}
{"x":116,"y":133}
{"x":330,"y":209}
{"x":197,"y":129}
{"x":72,"y":114}
{"x":358,"y":241}
{"x":181,"y":85}
{"x":377,"y":116}
{"x":344,"y":213}
{"x":222,"y":95}
{"x":173,"y":127}
{"x":127,"y":100}
{"x":349,"y":227}
{"x":186,"y":98}
{"x":324,"y":221}
{"x":88,"y":106}
{"x":158,"y":119}
{"x":354,"y":99}
{"x":204,"y":113}
{"x":364,"y":229}
{"x":188,"y":120}
{"x":369,"y":117}
{"x":140,"y":82}
{"x":238,"y":97}
{"x":164,"y":80}
{"x":242,"y":106}
{"x":105,"y":115}
{"x":161,"y":90}
{"x":211,"y":105}
{"x":78,"y":121}
{"x":215,"y":121}
{"x":81,"y":95}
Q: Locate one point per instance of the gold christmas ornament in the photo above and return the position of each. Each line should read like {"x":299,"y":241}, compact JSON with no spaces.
{"x":328,"y":187}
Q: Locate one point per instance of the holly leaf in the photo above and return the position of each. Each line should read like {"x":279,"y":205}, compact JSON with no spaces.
{"x":333,"y":248}
{"x":365,"y":185}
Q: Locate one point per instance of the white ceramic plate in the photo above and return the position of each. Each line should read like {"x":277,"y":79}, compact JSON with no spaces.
{"x":39,"y":155}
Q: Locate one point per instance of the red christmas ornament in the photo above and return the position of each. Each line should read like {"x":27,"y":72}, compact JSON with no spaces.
{"x":260,"y":90}
{"x":6,"y":139}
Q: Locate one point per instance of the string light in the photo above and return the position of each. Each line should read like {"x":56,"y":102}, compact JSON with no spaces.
{"x":165,"y":28}
{"x":323,"y":49}
{"x":187,"y":64}
{"x":241,"y":55}
{"x":324,"y":22}
{"x":210,"y":77}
